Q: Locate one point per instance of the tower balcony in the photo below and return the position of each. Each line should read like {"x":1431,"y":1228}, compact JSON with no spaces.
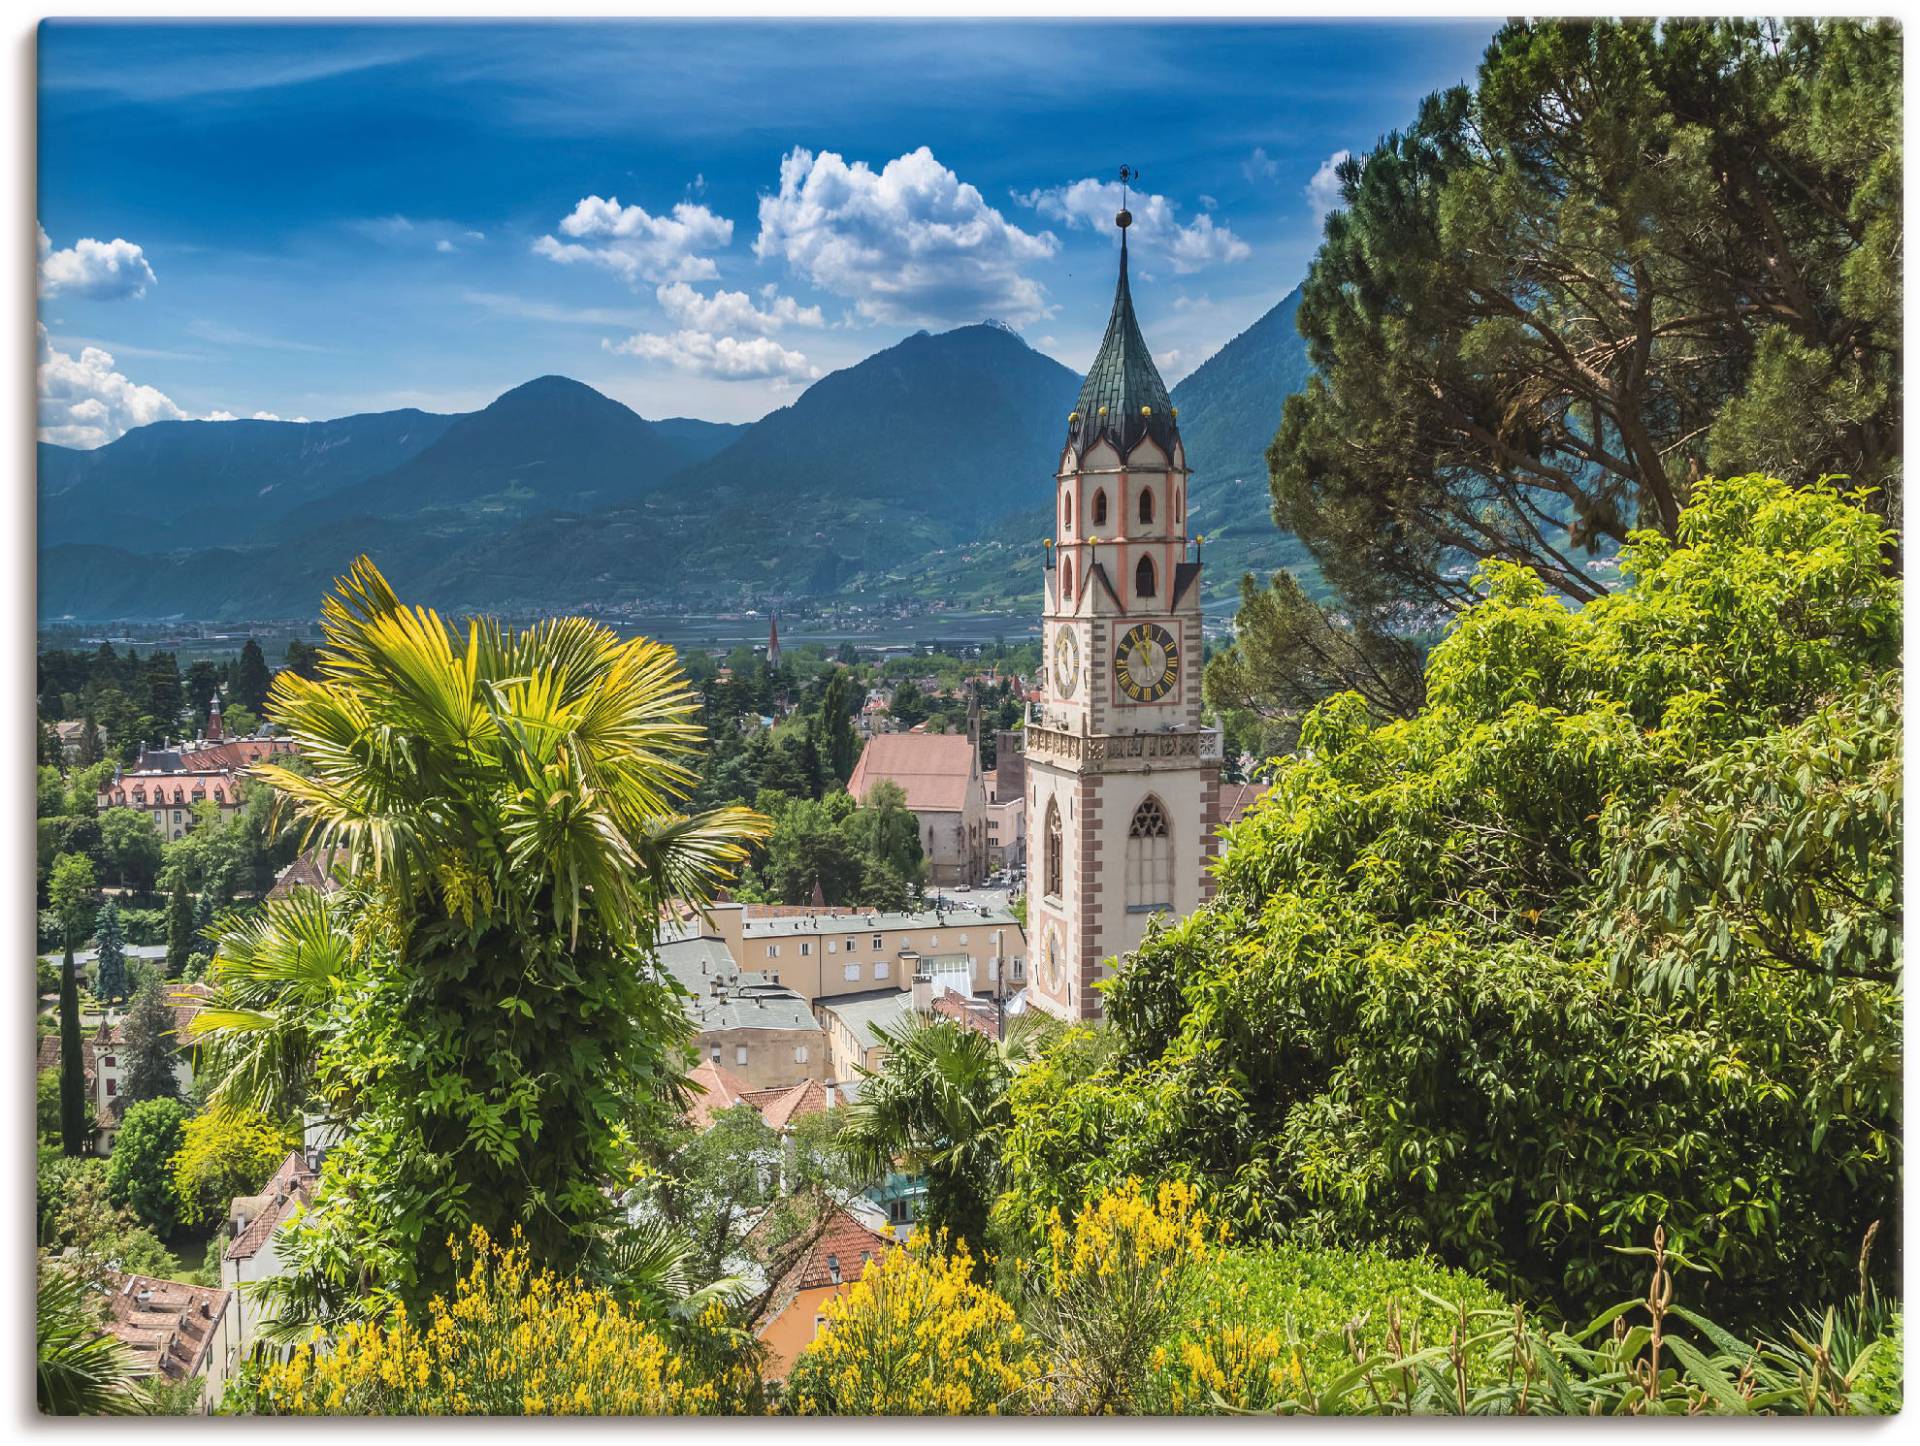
{"x":1118,"y":752}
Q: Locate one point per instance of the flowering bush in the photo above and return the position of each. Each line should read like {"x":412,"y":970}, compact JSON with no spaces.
{"x":916,"y":1336}
{"x":511,"y":1342}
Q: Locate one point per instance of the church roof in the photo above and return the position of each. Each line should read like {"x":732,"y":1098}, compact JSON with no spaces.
{"x":934,"y":769}
{"x":1121,"y":381}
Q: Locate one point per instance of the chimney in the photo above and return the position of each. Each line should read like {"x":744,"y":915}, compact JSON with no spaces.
{"x":922,"y":992}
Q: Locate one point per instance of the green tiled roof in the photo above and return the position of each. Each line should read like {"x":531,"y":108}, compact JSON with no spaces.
{"x":1122,"y":380}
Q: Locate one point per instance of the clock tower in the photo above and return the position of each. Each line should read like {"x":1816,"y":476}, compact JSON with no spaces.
{"x":1124,"y":782}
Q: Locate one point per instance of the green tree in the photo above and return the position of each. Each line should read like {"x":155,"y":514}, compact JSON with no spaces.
{"x":303,"y":659}
{"x":89,"y":750}
{"x":500,"y":1038}
{"x":179,"y":926}
{"x":888,"y":832}
{"x":72,"y":894}
{"x":250,"y":678}
{"x":224,"y":1154}
{"x":148,"y":1046}
{"x":1634,"y":252}
{"x":46,"y":1104}
{"x":110,"y":972}
{"x":939,"y":1104}
{"x":837,"y":706}
{"x":139,"y":1175}
{"x":131,"y":845}
{"x":1604,"y":938}
{"x":76,"y":1126}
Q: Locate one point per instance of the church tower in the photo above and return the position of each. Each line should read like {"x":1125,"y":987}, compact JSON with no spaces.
{"x":1123,"y":781}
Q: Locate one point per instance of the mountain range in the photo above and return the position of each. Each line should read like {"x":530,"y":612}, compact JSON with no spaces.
{"x":920,"y":473}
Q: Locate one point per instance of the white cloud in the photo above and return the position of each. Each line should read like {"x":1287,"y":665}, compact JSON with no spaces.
{"x":445,"y":237}
{"x":1172,"y":365}
{"x":637,"y":246}
{"x":1323,"y":191}
{"x":727,"y":358}
{"x":84,"y":402}
{"x":443,"y":246}
{"x":530,"y":310}
{"x":99,"y":270}
{"x":910,"y":243}
{"x":1093,"y":204}
{"x":1260,"y":166}
{"x":733,"y":310}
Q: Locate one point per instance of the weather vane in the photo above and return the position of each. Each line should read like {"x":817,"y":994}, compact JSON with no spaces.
{"x":1128,"y":175}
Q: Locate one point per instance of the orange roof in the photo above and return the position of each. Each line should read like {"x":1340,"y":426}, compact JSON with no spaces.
{"x":715,"y":1089}
{"x":1237,"y":798}
{"x":168,"y":1327}
{"x":933,"y":768}
{"x":781,"y":1107}
{"x":291,"y":1185}
{"x":236,"y":753}
{"x":836,"y":1254}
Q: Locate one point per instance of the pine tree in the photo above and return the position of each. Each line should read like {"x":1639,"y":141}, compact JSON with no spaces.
{"x":250,"y":678}
{"x":110,"y":975}
{"x":148,"y":1046}
{"x":179,"y":929}
{"x":74,"y":1134}
{"x":202,"y":921}
{"x":89,"y":740}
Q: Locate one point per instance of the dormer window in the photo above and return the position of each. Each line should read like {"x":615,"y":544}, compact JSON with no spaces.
{"x":833,"y":1268}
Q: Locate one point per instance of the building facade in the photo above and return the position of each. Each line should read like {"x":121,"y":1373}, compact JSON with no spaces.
{"x":946,"y":790}
{"x":1123,"y":780}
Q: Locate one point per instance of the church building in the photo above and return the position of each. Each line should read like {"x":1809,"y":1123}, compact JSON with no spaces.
{"x":1123,"y":780}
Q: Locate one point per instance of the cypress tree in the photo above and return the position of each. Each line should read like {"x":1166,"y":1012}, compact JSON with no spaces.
{"x":147,"y":1044}
{"x":250,"y":678}
{"x":110,"y":976}
{"x":89,"y":741}
{"x":74,"y":1134}
{"x":202,"y":920}
{"x":179,"y":929}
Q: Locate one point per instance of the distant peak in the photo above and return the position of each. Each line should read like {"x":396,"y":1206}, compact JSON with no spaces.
{"x":998,"y":325}
{"x":549,"y":386}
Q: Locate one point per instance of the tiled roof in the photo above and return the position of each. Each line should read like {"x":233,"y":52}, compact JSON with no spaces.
{"x":291,"y":1185}
{"x":979,"y":1015}
{"x":49,"y":1057}
{"x":781,"y":1107}
{"x":168,"y":1327}
{"x":715,"y":1089}
{"x":836,"y":1254}
{"x":862,"y":1013}
{"x":313,"y":869}
{"x":1237,"y":798}
{"x":933,"y":769}
{"x":173,"y":789}
{"x":236,"y":754}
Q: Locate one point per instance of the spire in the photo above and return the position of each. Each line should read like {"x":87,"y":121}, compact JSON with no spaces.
{"x":1123,"y":379}
{"x":773,"y":640}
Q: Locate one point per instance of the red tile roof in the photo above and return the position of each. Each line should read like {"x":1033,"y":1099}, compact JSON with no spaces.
{"x":291,"y":1185}
{"x":169,"y":1327}
{"x":781,"y":1107}
{"x":933,"y":768}
{"x":715,"y":1089}
{"x":1237,"y":798}
{"x":171,"y":790}
{"x":313,"y":869}
{"x":835,"y":1252}
{"x":237,"y":754}
{"x":979,"y":1015}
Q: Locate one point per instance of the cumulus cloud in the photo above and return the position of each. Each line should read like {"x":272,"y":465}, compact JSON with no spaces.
{"x":85,"y":402}
{"x":113,"y":270}
{"x":732,"y":311}
{"x":1093,"y":204}
{"x":637,"y":246}
{"x":1323,"y":191}
{"x":910,"y":243}
{"x":728,"y":358}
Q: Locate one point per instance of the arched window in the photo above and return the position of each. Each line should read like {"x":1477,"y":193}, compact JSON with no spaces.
{"x":1146,"y":504}
{"x":1100,"y":508}
{"x":1056,"y":850}
{"x":1149,"y":859}
{"x":1179,"y":505}
{"x":1066,"y":512}
{"x":1066,"y":580}
{"x":1143,"y":578}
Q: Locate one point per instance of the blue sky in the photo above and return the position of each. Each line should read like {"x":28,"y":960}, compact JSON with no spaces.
{"x":313,"y":220}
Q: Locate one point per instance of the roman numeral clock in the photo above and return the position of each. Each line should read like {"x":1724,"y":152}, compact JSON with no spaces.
{"x":1146,"y":663}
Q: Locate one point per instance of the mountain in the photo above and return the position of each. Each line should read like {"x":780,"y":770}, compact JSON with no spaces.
{"x":964,"y":426}
{"x":921,"y":473}
{"x":167,"y":484}
{"x":1229,"y":409}
{"x":551,"y":443}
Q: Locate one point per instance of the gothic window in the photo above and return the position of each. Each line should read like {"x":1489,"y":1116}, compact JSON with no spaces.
{"x":1066,"y":580}
{"x":1066,"y":512}
{"x":1179,"y":505}
{"x":1146,"y":504}
{"x":1100,"y":508}
{"x":1056,"y":850}
{"x":1143,"y":578}
{"x":1149,"y":859}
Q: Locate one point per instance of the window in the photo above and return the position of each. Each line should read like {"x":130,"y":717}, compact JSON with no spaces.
{"x":1100,"y":508}
{"x":833,"y":1268}
{"x":806,"y":947}
{"x":900,"y":1211}
{"x":1019,"y":967}
{"x":1143,"y":578}
{"x":878,"y":940}
{"x":833,"y":946}
{"x":880,"y":970}
{"x":108,"y":1061}
{"x":853,"y":972}
{"x":799,"y":1054}
{"x":774,"y":976}
{"x":1149,"y":859}
{"x":739,"y":1054}
{"x":1066,"y":513}
{"x":1146,"y":504}
{"x":773,"y":951}
{"x":1056,"y":849}
{"x":714,"y":1054}
{"x":113,"y":1087}
{"x":1066,"y":580}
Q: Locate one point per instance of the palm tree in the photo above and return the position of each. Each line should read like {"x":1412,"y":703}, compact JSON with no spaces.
{"x":82,"y":1370}
{"x":482,"y":1008}
{"x":938,"y":1105}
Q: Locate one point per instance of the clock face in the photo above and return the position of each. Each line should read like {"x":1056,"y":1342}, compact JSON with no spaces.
{"x":1066,"y":661}
{"x":1146,"y":663}
{"x":1050,"y":967}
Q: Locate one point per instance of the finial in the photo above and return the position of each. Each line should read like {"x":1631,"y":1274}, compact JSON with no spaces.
{"x":1127,"y":176}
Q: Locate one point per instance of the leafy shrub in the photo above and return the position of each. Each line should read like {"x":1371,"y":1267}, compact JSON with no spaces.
{"x":917,"y":1335}
{"x":137,"y":1175}
{"x":144,"y":926}
{"x":225,"y":1153}
{"x":512,"y":1342}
